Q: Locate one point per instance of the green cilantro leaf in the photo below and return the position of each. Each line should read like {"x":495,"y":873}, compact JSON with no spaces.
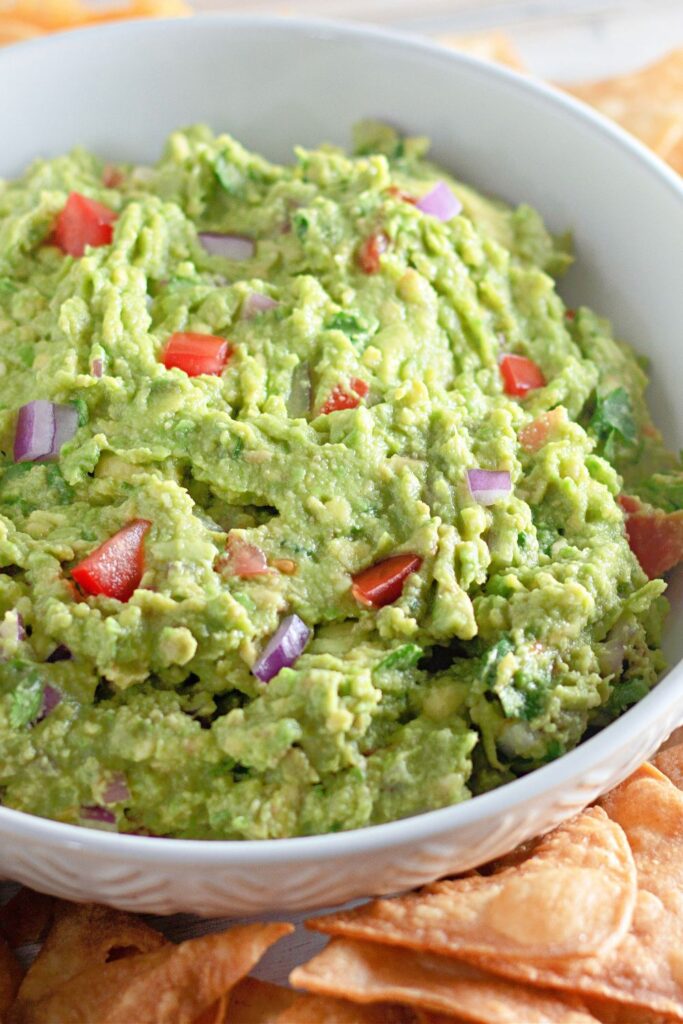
{"x":614,"y":414}
{"x":25,"y":702}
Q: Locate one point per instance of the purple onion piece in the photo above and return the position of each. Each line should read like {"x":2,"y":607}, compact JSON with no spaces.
{"x":299,"y":400}
{"x":42,"y":428}
{"x":117,"y":789}
{"x":283,"y":648}
{"x":489,"y":485}
{"x":97,"y":368}
{"x":96,"y":813}
{"x":257,"y":302}
{"x":51,"y":698}
{"x":61,"y":653}
{"x":440,"y":202}
{"x":231,"y":247}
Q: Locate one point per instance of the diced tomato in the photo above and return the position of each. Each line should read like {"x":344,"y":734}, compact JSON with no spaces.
{"x":81,"y":223}
{"x":629,"y":503}
{"x":196,"y":353}
{"x":383,"y":583}
{"x":116,"y":567}
{"x":656,"y":539}
{"x":520,"y":375}
{"x":399,"y":193}
{"x":371,"y":250}
{"x":535,"y":434}
{"x":339,"y":398}
{"x":243,"y":559}
{"x":112,"y":177}
{"x":570,"y":314}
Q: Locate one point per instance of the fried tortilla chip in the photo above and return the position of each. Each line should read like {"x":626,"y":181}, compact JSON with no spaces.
{"x":326,"y":1010}
{"x":573,"y":897}
{"x":670,"y":762}
{"x":26,"y":917}
{"x":495,"y":46}
{"x":16,"y":30}
{"x":84,"y":936}
{"x":648,"y":103}
{"x":172,"y":985}
{"x":257,"y":1002}
{"x":216,"y":1014}
{"x":367,"y":972}
{"x":10,"y":978}
{"x":53,"y":15}
{"x":646,"y":969}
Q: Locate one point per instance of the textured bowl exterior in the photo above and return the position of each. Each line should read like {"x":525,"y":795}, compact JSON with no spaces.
{"x":128,"y":86}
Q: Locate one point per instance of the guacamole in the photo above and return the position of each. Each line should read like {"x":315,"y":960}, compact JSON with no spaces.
{"x":312,"y":506}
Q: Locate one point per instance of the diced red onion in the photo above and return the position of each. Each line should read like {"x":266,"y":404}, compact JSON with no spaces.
{"x":97,"y":368}
{"x":61,"y":653}
{"x":440,"y":202}
{"x":255,"y":303}
{"x":117,"y":789}
{"x":489,"y":485}
{"x":42,"y":428}
{"x":612,"y":658}
{"x":51,"y":698}
{"x":232,"y":247}
{"x":283,"y":648}
{"x":12,"y":627}
{"x":96,"y":813}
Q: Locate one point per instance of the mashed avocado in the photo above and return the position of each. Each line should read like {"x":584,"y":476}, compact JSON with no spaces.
{"x":361,"y":380}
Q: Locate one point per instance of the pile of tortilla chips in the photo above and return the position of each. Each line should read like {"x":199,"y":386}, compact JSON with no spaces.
{"x":26,"y":19}
{"x":582,"y":926}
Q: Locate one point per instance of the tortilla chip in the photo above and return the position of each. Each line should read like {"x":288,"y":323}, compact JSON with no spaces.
{"x":16,"y":30}
{"x":670,"y":762}
{"x":215,"y":1014}
{"x":53,"y":15}
{"x":325,"y":1010}
{"x":648,"y":103}
{"x":10,"y":978}
{"x":495,"y":46}
{"x":171,"y":985}
{"x":646,"y":968}
{"x":84,"y":936}
{"x":614,"y":1013}
{"x":26,"y":917}
{"x":573,"y":897}
{"x":257,"y":1002}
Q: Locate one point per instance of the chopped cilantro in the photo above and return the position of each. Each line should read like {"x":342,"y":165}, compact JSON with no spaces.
{"x":404,"y":657}
{"x":350,"y":325}
{"x":494,"y":656}
{"x":300,"y":222}
{"x":82,"y":410}
{"x":613,"y":420}
{"x":229,"y":176}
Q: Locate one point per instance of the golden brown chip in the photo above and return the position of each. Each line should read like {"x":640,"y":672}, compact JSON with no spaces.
{"x":172,"y":985}
{"x":648,"y":103}
{"x":16,"y":30}
{"x":670,"y":762}
{"x":257,"y":1002}
{"x":82,"y":937}
{"x":574,"y":896}
{"x":495,"y":46}
{"x":216,"y":1014}
{"x":616,"y":1013}
{"x":10,"y":978}
{"x":326,"y":1010}
{"x":26,"y":917}
{"x":367,"y":972}
{"x":53,"y":15}
{"x":646,"y":968}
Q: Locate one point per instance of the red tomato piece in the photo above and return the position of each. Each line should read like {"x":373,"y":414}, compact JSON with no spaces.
{"x":629,"y":503}
{"x":115,"y":568}
{"x":570,"y":314}
{"x":196,"y":353}
{"x":81,"y":223}
{"x":656,"y":539}
{"x":535,"y":434}
{"x":399,"y":193}
{"x":383,"y":582}
{"x":520,"y":375}
{"x":243,"y":559}
{"x":339,"y":398}
{"x":371,"y":250}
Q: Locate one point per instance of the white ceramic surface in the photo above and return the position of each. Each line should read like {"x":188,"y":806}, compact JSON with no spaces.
{"x":119,"y":91}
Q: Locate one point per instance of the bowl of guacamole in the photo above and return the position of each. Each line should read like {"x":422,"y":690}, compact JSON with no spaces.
{"x":322,"y":504}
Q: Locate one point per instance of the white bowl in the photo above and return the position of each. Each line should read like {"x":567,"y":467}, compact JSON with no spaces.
{"x":273,"y":83}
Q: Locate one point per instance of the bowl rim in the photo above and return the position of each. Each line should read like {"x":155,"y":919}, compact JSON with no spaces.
{"x":431,"y":824}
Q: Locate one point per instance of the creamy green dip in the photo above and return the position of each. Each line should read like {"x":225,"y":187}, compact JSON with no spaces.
{"x":529,"y":621}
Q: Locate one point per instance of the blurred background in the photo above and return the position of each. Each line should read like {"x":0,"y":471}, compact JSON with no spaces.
{"x":568,"y":40}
